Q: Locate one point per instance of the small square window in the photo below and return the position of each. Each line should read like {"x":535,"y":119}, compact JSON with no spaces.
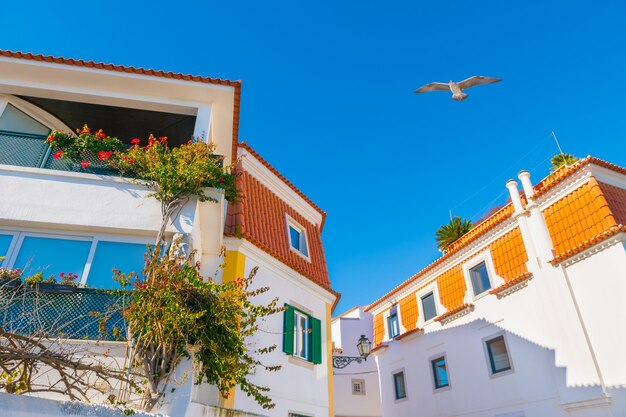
{"x":393,"y":325}
{"x":440,"y":372}
{"x":428,"y":306}
{"x":480,"y":278}
{"x":358,"y":387}
{"x":499,"y":360}
{"x":297,"y":238}
{"x":398,"y":383}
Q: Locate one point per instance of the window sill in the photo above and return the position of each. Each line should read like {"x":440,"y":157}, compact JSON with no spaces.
{"x":301,"y":362}
{"x":442,"y":389}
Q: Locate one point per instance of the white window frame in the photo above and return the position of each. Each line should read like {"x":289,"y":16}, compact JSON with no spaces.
{"x":303,"y":238}
{"x":440,"y":309}
{"x":489,"y":338}
{"x":494,"y":279}
{"x":432,"y":372}
{"x":386,"y":316}
{"x":37,"y":113}
{"x":361,"y":383}
{"x":20,"y":233}
{"x":304,"y":332}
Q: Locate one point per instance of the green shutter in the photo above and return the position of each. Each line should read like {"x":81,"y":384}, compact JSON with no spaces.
{"x":316,"y":340}
{"x":288,"y":326}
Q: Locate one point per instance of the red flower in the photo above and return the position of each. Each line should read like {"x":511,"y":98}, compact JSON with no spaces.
{"x":50,"y":138}
{"x":104,"y":155}
{"x":163,"y":139}
{"x":85,"y":130}
{"x":135,"y":141}
{"x":100,"y":134}
{"x":85,"y":164}
{"x":62,"y":274}
{"x":222,"y":180}
{"x":58,"y":154}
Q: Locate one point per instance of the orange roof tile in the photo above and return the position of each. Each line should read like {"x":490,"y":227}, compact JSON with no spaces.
{"x":409,"y":312}
{"x":140,"y":71}
{"x":452,"y":287}
{"x":452,"y":312}
{"x":379,"y":329}
{"x":578,"y":217}
{"x":509,"y":255}
{"x":511,"y":282}
{"x":498,"y":217}
{"x":616,"y":199}
{"x":260,"y":218}
{"x":254,"y":153}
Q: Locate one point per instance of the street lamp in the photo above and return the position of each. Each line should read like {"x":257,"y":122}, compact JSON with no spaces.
{"x":364,"y":346}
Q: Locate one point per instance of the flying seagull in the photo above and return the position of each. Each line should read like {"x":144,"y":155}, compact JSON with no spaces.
{"x":457,"y":88}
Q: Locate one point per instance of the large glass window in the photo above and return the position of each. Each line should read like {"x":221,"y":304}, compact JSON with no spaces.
{"x":480,"y":278}
{"x":499,"y":360}
{"x":125,"y":257}
{"x":52,"y":256}
{"x":14,"y":120}
{"x":428,"y":306}
{"x":440,"y":372}
{"x":5,"y":242}
{"x":398,"y":384}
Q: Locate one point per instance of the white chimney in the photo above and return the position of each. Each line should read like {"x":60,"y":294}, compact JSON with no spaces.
{"x":524,"y":176}
{"x":515,"y":197}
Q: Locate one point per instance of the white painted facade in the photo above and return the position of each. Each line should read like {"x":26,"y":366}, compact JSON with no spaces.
{"x":364,"y":399}
{"x":564,"y":330}
{"x":94,"y":207}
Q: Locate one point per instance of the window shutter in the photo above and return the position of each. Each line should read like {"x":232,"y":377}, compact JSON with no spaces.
{"x":316,"y":340}
{"x":288,"y":326}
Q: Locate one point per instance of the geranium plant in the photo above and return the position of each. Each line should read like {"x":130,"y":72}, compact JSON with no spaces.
{"x":8,"y":274}
{"x":39,"y":279}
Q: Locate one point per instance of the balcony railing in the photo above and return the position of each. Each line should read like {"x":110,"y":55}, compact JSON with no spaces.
{"x":84,"y":313}
{"x":26,"y":150}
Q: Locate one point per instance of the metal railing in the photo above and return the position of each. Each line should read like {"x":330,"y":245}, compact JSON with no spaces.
{"x":84,"y":313}
{"x":21,"y":149}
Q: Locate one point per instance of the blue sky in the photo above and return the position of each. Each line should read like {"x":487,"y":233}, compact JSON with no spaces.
{"x":327,"y":99}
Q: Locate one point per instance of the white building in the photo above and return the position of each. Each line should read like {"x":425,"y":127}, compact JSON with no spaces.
{"x":56,"y":217}
{"x":357,"y":391}
{"x":523,"y":316}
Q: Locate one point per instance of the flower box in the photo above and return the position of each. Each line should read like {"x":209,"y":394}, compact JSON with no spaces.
{"x":52,"y":288}
{"x":9,"y":284}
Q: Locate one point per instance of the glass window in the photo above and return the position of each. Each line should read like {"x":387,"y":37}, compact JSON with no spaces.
{"x":440,"y":372}
{"x":301,"y":334}
{"x":358,"y":387}
{"x":480,"y":278}
{"x":428,"y":306}
{"x":499,"y":360}
{"x":14,"y":120}
{"x":52,"y":256}
{"x":125,"y":257}
{"x":398,"y":383}
{"x":297,"y":239}
{"x":5,"y":242}
{"x":393,"y":325}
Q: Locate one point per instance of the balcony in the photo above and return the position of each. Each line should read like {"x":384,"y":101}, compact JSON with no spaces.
{"x":84,"y":313}
{"x":20,"y":149}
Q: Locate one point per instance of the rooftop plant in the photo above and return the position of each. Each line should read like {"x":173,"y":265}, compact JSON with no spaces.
{"x":448,"y":233}
{"x":561,"y":159}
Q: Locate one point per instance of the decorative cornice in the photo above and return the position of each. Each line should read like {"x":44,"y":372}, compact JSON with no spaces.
{"x":455,"y":313}
{"x":417,"y":331}
{"x":592,"y":246}
{"x":512,"y":286}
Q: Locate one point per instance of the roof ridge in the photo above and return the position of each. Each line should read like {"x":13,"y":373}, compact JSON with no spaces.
{"x":117,"y":67}
{"x":285,"y":180}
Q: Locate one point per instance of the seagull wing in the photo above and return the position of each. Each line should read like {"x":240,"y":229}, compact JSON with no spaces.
{"x":433,"y":87}
{"x":477,"y":80}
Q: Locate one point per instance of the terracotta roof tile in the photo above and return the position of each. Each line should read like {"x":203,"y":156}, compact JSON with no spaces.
{"x":254,"y":153}
{"x":509,"y":255}
{"x":260,"y":217}
{"x":511,"y":282}
{"x":410,"y":332}
{"x":409,"y":312}
{"x":504,"y":213}
{"x":452,"y":312}
{"x":379,"y":329}
{"x":616,"y":199}
{"x":452,"y":287}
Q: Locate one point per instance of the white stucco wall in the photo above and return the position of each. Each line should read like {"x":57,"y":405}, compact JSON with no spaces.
{"x":346,"y":332}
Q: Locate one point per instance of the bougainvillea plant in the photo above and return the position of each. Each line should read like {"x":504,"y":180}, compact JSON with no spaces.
{"x":178,"y":313}
{"x":175,"y":174}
